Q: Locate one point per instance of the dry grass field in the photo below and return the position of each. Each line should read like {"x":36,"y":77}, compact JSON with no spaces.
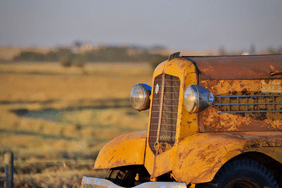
{"x":56,"y":119}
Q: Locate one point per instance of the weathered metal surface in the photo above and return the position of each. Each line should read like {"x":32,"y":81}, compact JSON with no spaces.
{"x":239,"y":67}
{"x":198,"y":160}
{"x":127,"y":149}
{"x":88,"y":182}
{"x":186,"y":123}
{"x":262,"y":112}
{"x":200,"y":156}
{"x":196,"y":157}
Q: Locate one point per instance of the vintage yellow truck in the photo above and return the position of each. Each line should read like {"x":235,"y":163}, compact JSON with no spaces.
{"x":214,"y":122}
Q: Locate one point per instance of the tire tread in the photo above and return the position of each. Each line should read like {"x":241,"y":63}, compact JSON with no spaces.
{"x":240,"y":163}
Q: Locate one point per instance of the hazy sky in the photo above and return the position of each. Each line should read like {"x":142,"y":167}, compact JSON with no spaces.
{"x":176,"y":24}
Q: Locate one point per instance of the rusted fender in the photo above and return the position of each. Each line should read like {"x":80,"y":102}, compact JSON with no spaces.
{"x":200,"y":156}
{"x":127,"y":149}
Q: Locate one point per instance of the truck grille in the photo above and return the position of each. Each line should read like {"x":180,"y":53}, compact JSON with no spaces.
{"x":164,"y":112}
{"x":254,"y":105}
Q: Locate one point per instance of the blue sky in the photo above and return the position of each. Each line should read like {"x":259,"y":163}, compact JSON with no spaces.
{"x":179,"y":24}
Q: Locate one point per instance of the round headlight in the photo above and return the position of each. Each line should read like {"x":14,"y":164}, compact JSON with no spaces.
{"x":197,"y":98}
{"x":140,"y":96}
{"x":190,"y":100}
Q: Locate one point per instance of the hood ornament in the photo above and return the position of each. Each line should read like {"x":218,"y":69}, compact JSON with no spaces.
{"x":157,"y":88}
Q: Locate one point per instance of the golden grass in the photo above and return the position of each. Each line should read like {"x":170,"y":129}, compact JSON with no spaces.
{"x":60,"y":178}
{"x":132,"y":69}
{"x":82,"y":130}
{"x":9,"y":52}
{"x":114,"y":82}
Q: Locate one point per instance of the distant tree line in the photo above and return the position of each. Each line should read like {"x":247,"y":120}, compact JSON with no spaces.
{"x":103,"y":54}
{"x":274,"y":51}
{"x":251,"y":51}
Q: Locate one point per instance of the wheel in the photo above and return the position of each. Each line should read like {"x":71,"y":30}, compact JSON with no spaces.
{"x":126,"y":176}
{"x":242,"y":172}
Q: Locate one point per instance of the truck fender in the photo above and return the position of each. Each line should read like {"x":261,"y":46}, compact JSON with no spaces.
{"x":200,"y":156}
{"x":127,"y":149}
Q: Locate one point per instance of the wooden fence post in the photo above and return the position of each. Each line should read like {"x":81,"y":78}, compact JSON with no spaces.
{"x":9,"y":165}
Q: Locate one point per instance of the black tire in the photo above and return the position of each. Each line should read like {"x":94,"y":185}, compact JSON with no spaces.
{"x":125,"y":176}
{"x":242,"y":172}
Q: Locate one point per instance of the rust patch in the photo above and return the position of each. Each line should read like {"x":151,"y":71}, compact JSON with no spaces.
{"x":202,"y":155}
{"x":162,"y":147}
{"x":239,"y":67}
{"x":233,"y":116}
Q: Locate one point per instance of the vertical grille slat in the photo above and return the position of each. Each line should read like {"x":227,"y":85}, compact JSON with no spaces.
{"x":164,"y":113}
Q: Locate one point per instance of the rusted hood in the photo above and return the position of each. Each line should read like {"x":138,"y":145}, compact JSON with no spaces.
{"x":238,"y":67}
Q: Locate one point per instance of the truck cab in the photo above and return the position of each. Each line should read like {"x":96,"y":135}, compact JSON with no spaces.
{"x":214,"y":121}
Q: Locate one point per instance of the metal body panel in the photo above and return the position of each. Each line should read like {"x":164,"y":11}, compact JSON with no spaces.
{"x":186,"y":124}
{"x":127,"y":149}
{"x":200,"y":156}
{"x":245,"y":117}
{"x":243,"y":105}
{"x":239,"y":67}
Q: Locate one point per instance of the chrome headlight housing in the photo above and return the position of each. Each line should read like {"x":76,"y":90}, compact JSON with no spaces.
{"x":140,"y":96}
{"x":197,"y":98}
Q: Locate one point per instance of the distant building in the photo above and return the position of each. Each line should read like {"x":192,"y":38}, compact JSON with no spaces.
{"x":245,"y":53}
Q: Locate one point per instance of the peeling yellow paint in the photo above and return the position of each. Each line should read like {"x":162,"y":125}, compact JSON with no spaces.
{"x":211,"y":120}
{"x":128,"y":149}
{"x":186,"y":122}
{"x":201,"y":155}
{"x":271,"y":86}
{"x":205,"y":141}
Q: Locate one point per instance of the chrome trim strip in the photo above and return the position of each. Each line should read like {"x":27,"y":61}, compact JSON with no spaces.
{"x":245,"y":96}
{"x":91,"y":182}
{"x":261,"y":111}
{"x":241,"y":104}
{"x":161,"y":112}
